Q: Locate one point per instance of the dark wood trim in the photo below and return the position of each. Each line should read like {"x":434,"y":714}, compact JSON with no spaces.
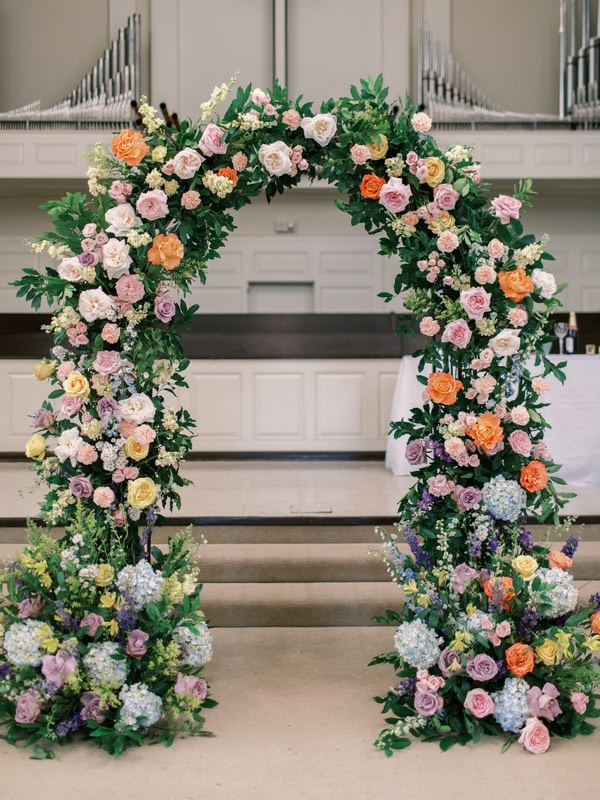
{"x":254,"y":455}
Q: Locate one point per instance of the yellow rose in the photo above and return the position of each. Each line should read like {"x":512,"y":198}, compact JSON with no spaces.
{"x":36,"y":446}
{"x":134,"y":450}
{"x":526,"y":566}
{"x":43,"y":370}
{"x":378,"y":150}
{"x":436,"y":170}
{"x":76,"y":385}
{"x":141,"y":493}
{"x":105,"y":575}
{"x":548,"y":653}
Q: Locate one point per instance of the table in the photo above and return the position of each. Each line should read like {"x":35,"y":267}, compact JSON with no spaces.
{"x":574,"y":414}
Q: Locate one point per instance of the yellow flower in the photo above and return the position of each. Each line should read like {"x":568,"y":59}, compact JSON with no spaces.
{"x":461,"y":641}
{"x":443,"y":222}
{"x":563,"y":641}
{"x":410,"y":587}
{"x":108,"y":600}
{"x":525,"y":566}
{"x":51,"y":645}
{"x":105,"y":575}
{"x":76,"y":385}
{"x":173,"y":590}
{"x":141,"y":493}
{"x":441,"y":575}
{"x":46,"y":580}
{"x":36,"y":446}
{"x":548,"y":653}
{"x":378,"y":149}
{"x":112,"y":626}
{"x":28,"y":562}
{"x":423,"y":600}
{"x":44,"y":369}
{"x":436,"y":170}
{"x":134,"y":450}
{"x":592,"y":643}
{"x":471,"y":608}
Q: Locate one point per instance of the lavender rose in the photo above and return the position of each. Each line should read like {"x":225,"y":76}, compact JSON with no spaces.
{"x":56,"y":668}
{"x":482,"y":668}
{"x":427,"y":703}
{"x":92,"y":708}
{"x":106,"y":406}
{"x":30,"y":607}
{"x":164,"y":308}
{"x":416,"y":452}
{"x":43,"y":419}
{"x":28,"y":707}
{"x":463,"y":575}
{"x":80,"y":487}
{"x":467,"y":498}
{"x":136,"y":643}
{"x":88,"y":258}
{"x":92,"y":622}
{"x":544,"y":702}
{"x":191,"y":686}
{"x":450,"y":663}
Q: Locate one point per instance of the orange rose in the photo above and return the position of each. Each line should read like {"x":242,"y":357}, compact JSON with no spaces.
{"x":534,"y":476}
{"x":520,"y":659}
{"x":370,"y":186}
{"x":443,"y":388}
{"x":487,"y":432}
{"x":595,"y":621}
{"x":558,"y":559}
{"x":515,"y":284}
{"x":166,"y":251}
{"x":500,"y":590}
{"x":230,"y":174}
{"x":129,"y":146}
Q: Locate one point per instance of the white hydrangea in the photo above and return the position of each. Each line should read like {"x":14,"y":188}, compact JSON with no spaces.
{"x":418,"y":644}
{"x":512,"y":706}
{"x":103,"y":669}
{"x":140,"y":585}
{"x":563,"y":595}
{"x":141,"y":708}
{"x":23,"y":642}
{"x":196,"y":648}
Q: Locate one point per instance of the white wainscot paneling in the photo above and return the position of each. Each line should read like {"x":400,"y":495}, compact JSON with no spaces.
{"x":216,"y":404}
{"x":341,"y":406}
{"x":279,"y":406}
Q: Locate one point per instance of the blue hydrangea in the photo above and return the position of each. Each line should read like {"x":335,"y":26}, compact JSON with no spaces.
{"x":563,"y":595}
{"x":103,"y":669}
{"x":512,"y":706}
{"x":23,"y":642}
{"x":140,"y":585}
{"x":141,"y":708}
{"x":503,"y":499}
{"x":418,"y":644}
{"x":196,"y":648}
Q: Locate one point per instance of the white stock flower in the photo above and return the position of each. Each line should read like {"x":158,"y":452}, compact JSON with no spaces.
{"x":275,"y":158}
{"x":121,"y":219}
{"x":506,"y":343}
{"x":70,"y":269}
{"x":545,"y":281}
{"x":321,"y":128}
{"x":115,"y":258}
{"x":95,"y":304}
{"x":137,"y":408}
{"x":67,"y":445}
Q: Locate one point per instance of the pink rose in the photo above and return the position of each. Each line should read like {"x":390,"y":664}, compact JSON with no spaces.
{"x":28,"y":707}
{"x":455,"y":447}
{"x":130,"y":473}
{"x":447,"y":241}
{"x":421,"y":122}
{"x":56,"y":668}
{"x":168,"y":166}
{"x":395,"y":195}
{"x":506,"y":208}
{"x":71,"y":405}
{"x":428,"y":326}
{"x":211,"y":141}
{"x":86,"y":454}
{"x":479,"y":703}
{"x":119,"y":191}
{"x":190,"y":200}
{"x":503,"y":629}
{"x":291,"y":118}
{"x":239,"y":161}
{"x":540,"y":385}
{"x":191,"y":686}
{"x":439,"y":485}
{"x":30,"y":607}
{"x":152,"y":205}
{"x":187,"y":163}
{"x":129,"y":288}
{"x":445,"y":196}
{"x":64,"y":370}
{"x":110,"y":333}
{"x":579,"y":701}
{"x":360,"y":153}
{"x":101,"y":237}
{"x":518,"y":317}
{"x":136,"y":643}
{"x":541,"y":452}
{"x":457,"y":333}
{"x":475,"y":301}
{"x":89,"y":229}
{"x":144,"y":434}
{"x":411,"y":158}
{"x":92,"y":707}
{"x":107,"y":362}
{"x":519,"y":415}
{"x":104,"y":496}
{"x":535,"y":736}
{"x":118,"y":518}
{"x":520,"y":443}
{"x":92,"y":622}
{"x":485,"y":274}
{"x":496,"y":249}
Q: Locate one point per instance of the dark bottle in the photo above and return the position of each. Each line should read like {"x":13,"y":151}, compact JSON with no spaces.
{"x":571,"y":337}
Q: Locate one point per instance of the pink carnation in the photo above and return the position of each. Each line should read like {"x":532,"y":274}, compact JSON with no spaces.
{"x":485,"y":274}
{"x":129,"y":288}
{"x":518,"y":317}
{"x":395,"y":195}
{"x":457,"y":333}
{"x":447,"y":241}
{"x":190,"y":199}
{"x":429,"y":326}
{"x":519,"y":415}
{"x":86,"y":454}
{"x":540,"y":385}
{"x":506,"y":208}
{"x":144,"y":434}
{"x":104,"y":496}
{"x":445,"y":196}
{"x":239,"y":161}
{"x":360,"y":153}
{"x":520,"y":443}
{"x":291,"y":118}
{"x":110,"y":333}
{"x":475,"y":301}
{"x":64,"y":370}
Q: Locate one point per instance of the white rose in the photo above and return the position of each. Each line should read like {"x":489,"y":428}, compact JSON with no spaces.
{"x":67,"y":445}
{"x":95,"y":304}
{"x":122,"y":219}
{"x":187,"y":163}
{"x":70,"y":269}
{"x":506,"y":343}
{"x":275,"y":158}
{"x":545,"y":281}
{"x":115,"y":258}
{"x":321,"y":128}
{"x":138,"y":408}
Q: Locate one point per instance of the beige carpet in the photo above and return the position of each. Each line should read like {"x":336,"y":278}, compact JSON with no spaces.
{"x":296,"y":722}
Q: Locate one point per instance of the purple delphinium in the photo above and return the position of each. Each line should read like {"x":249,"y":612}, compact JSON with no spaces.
{"x":525,"y":541}
{"x":4,"y":669}
{"x":422,"y":558}
{"x":66,"y":619}
{"x":406,"y":687}
{"x":528,"y":621}
{"x":69,"y":725}
{"x":126,"y":619}
{"x":426,"y":501}
{"x":595,"y":601}
{"x":474,"y":545}
{"x":571,"y":546}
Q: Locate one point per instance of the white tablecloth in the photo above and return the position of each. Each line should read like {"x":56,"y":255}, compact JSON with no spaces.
{"x":574,"y":414}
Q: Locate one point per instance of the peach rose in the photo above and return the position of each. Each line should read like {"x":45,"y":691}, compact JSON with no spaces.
{"x":129,"y":146}
{"x":520,"y":659}
{"x":421,"y":122}
{"x":515,"y":284}
{"x":436,"y":171}
{"x":556,"y":558}
{"x":443,"y":388}
{"x":595,"y":622}
{"x":371,"y":185}
{"x":429,"y":327}
{"x":166,"y":251}
{"x":487,"y":432}
{"x":534,"y":476}
{"x":535,"y":736}
{"x":500,"y":590}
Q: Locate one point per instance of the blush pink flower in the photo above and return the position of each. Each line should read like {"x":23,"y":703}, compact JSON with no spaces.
{"x":92,"y":622}
{"x":503,"y":629}
{"x":518,"y":317}
{"x":479,"y":703}
{"x":86,"y":454}
{"x":168,"y":167}
{"x":540,"y":385}
{"x":496,"y":249}
{"x":191,"y":686}
{"x":136,"y":643}
{"x":360,"y":153}
{"x":543,"y":703}
{"x":429,"y":326}
{"x":445,"y":197}
{"x":152,"y":205}
{"x":579,"y":701}
{"x":107,"y":362}
{"x":190,"y":199}
{"x":440,"y":486}
{"x":455,"y":447}
{"x":211,"y":142}
{"x":64,"y":370}
{"x":110,"y":333}
{"x":239,"y":161}
{"x":520,"y":443}
{"x":457,"y":333}
{"x":447,"y":241}
{"x":485,"y":274}
{"x":28,"y":707}
{"x":291,"y":118}
{"x":475,"y":301}
{"x":56,"y":668}
{"x":421,"y":122}
{"x":506,"y":208}
{"x":127,"y":428}
{"x":71,"y":405}
{"x":103,"y":497}
{"x":144,"y":434}
{"x":395,"y":195}
{"x":519,"y":415}
{"x":129,"y":288}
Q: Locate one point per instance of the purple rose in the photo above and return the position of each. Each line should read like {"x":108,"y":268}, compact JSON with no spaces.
{"x":56,"y":668}
{"x":416,"y":452}
{"x":482,"y":668}
{"x":191,"y":686}
{"x":88,"y":258}
{"x":92,"y":622}
{"x":106,"y":406}
{"x":427,"y":703}
{"x":543,"y":702}
{"x":80,"y":487}
{"x":92,"y":709}
{"x":467,"y":498}
{"x":463,"y":575}
{"x":43,"y":419}
{"x":164,"y":308}
{"x":450,"y":663}
{"x":28,"y":707}
{"x":136,"y":643}
{"x":30,"y":607}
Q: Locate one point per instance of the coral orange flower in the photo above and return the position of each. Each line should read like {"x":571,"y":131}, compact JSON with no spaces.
{"x":556,"y":558}
{"x":515,"y":284}
{"x":230,"y":174}
{"x":370,"y":186}
{"x":534,"y":476}
{"x":520,"y":659}
{"x":500,"y":590}
{"x":595,"y":621}
{"x":166,"y":251}
{"x":443,"y":388}
{"x":129,"y":146}
{"x":487,"y":432}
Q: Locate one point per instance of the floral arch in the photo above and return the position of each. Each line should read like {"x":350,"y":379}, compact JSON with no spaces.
{"x":103,"y":634}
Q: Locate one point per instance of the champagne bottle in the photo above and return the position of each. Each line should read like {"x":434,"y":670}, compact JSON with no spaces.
{"x":571,"y":338}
